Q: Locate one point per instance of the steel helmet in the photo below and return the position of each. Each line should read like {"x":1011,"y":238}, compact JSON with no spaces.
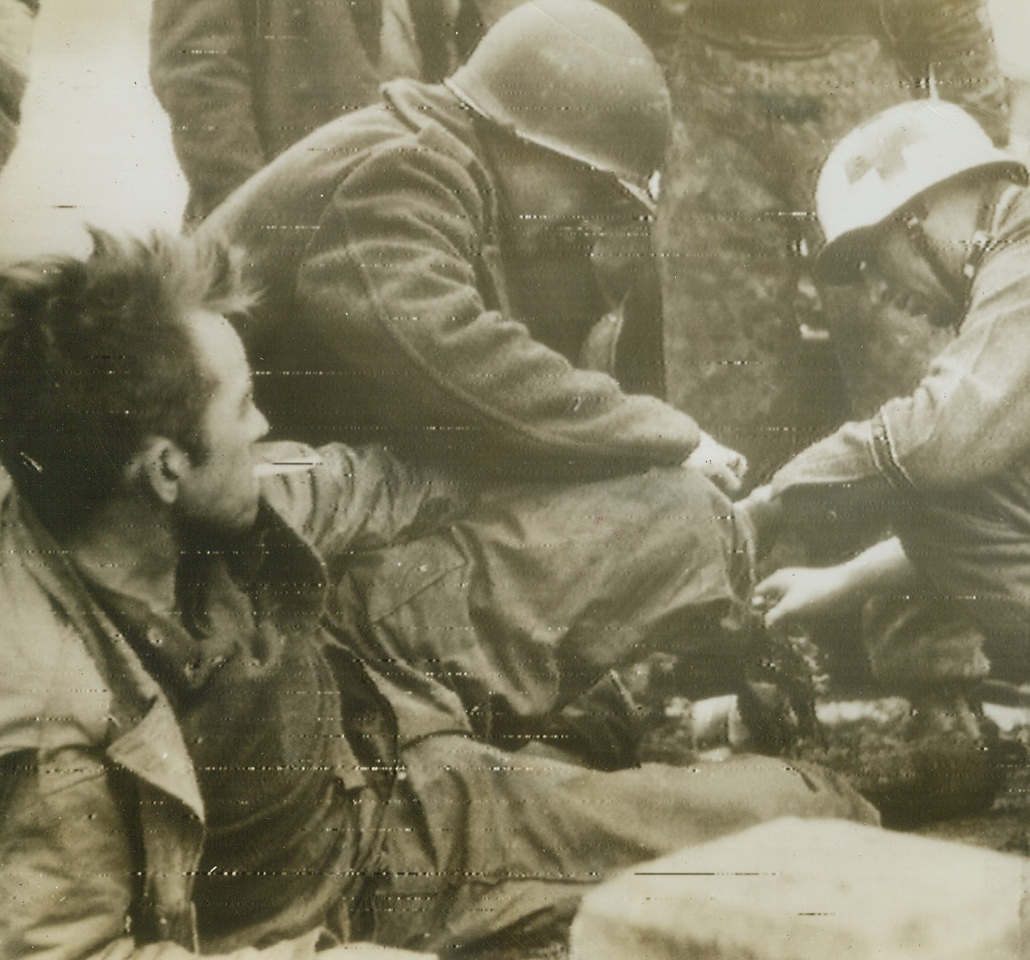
{"x":572,"y":77}
{"x":885,"y":163}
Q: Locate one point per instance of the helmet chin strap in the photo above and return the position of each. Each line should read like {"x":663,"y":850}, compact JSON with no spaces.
{"x":994,"y":206}
{"x":958,"y":286}
{"x":955,"y":285}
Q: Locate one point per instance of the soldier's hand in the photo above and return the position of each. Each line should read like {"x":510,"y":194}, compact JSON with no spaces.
{"x":795,"y":597}
{"x":724,"y":467}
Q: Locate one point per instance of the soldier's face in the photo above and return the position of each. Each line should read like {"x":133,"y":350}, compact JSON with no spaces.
{"x":897,"y":271}
{"x":219,"y":494}
{"x":561,"y":208}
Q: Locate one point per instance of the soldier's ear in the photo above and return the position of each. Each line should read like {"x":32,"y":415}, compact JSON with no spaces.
{"x":160,"y":466}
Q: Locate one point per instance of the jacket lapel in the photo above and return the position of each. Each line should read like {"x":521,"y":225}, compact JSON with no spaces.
{"x":151,"y":746}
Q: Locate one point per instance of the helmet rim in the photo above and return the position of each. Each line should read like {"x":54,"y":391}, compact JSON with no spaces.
{"x":572,"y":77}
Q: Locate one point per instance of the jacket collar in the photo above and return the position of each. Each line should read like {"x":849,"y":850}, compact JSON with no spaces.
{"x":146,"y":738}
{"x":422,"y":105}
{"x":442,"y":123}
{"x":147,"y":741}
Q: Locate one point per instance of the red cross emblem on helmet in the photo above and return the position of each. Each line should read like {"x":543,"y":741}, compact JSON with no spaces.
{"x":886,"y":158}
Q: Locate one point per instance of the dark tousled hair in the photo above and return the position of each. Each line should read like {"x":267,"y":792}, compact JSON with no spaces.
{"x":96,"y":354}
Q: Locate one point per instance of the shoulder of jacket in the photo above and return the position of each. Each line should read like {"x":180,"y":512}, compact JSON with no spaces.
{"x":50,"y":688}
{"x":436,"y":121}
{"x":431,"y":145}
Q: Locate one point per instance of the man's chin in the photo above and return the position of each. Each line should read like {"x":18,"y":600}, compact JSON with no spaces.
{"x":210,"y":534}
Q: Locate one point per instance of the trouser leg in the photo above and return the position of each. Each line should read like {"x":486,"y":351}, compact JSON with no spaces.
{"x":489,"y":847}
{"x":968,"y":615}
{"x":915,"y":643}
{"x":729,"y":257}
{"x":529,"y":601}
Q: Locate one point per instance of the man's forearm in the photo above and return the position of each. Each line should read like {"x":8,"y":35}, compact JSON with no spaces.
{"x":882,"y":567}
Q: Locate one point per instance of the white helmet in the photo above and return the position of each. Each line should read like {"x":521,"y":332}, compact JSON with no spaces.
{"x":886,"y":162}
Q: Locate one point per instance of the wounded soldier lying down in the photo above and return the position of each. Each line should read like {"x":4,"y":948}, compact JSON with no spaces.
{"x":235,"y":683}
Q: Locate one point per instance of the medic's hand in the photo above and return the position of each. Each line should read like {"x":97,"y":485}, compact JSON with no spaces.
{"x":795,"y":597}
{"x":724,"y":467}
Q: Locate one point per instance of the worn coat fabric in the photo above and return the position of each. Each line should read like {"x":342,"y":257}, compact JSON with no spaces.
{"x":951,"y":461}
{"x":242,"y":80}
{"x":101,"y":817}
{"x":97,"y":786}
{"x":394,"y":308}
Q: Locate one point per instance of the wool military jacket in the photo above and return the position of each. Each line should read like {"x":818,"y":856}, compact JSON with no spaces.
{"x":394,"y":309}
{"x":242,"y":80}
{"x":102,"y":823}
{"x":950,"y":463}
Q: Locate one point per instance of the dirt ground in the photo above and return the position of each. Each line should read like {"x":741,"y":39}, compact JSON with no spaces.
{"x":936,"y":784}
{"x":1005,"y":825}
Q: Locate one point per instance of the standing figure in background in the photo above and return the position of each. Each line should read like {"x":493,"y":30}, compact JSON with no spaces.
{"x":762,"y":91}
{"x":244,"y":79}
{"x":16,"y":18}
